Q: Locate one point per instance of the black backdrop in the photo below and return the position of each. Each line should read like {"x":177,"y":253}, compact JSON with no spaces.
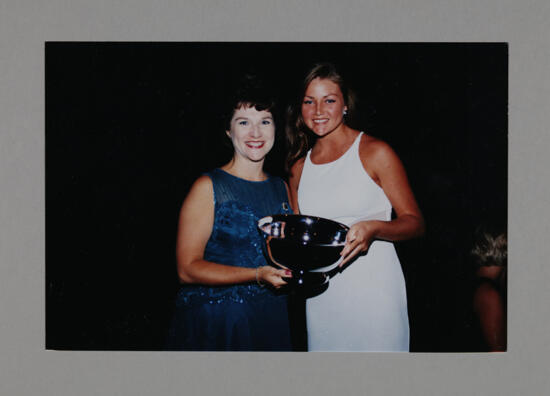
{"x":129,"y":126}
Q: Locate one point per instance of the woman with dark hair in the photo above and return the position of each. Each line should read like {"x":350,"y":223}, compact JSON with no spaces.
{"x":345,"y":175}
{"x":229,"y":299}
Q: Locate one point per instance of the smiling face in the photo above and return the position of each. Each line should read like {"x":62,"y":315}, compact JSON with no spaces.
{"x":252,"y":133}
{"x":323,"y":107}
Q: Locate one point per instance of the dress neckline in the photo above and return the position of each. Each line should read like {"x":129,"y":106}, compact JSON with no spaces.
{"x":244,"y":180}
{"x":340,"y":157}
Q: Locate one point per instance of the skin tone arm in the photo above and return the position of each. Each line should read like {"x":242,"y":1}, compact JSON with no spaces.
{"x":385,"y":168}
{"x":194,"y":229}
{"x":489,"y":306}
{"x":294,"y":181}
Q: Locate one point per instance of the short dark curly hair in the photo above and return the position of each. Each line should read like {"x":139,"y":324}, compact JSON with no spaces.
{"x":250,"y":91}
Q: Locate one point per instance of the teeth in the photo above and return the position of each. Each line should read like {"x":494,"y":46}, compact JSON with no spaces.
{"x":319,"y":121}
{"x":255,"y":144}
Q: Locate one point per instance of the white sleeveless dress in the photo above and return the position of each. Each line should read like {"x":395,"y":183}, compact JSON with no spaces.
{"x":365,"y":305}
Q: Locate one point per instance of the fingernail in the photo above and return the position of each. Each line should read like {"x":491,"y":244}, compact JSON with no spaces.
{"x":287,"y":272}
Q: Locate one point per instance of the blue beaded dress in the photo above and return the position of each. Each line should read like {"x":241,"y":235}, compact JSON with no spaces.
{"x":243,"y":317}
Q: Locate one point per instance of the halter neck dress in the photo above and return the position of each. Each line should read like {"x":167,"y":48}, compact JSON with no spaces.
{"x":365,"y":305}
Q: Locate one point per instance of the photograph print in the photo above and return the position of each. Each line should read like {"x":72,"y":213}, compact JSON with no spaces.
{"x":276,"y":196}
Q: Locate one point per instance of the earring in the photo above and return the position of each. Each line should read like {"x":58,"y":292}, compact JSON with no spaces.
{"x":345,"y":112}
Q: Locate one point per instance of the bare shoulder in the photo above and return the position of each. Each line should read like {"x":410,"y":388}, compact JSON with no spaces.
{"x":202,"y":185}
{"x":296,"y":171}
{"x":298,"y":166}
{"x":372,"y":147}
{"x":491,"y":271}
{"x":294,"y":182}
{"x":375,"y":153}
{"x":201,"y":191}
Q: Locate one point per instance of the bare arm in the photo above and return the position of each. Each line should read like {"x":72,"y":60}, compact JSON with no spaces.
{"x":385,"y":168}
{"x":294,"y":182}
{"x":195,"y":226}
{"x":390,"y":173}
{"x":288,"y":196}
{"x":490,"y":309}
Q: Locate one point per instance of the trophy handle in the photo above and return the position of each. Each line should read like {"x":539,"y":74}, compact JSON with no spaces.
{"x":274,"y":229}
{"x":271,"y":230}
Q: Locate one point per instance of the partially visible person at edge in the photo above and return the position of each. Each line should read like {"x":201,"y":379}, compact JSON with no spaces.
{"x":348,"y":176}
{"x":490,"y":257}
{"x":229,"y":299}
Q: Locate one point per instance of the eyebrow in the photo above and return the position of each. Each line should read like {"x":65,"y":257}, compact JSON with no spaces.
{"x":246,"y":118}
{"x":312,"y":97}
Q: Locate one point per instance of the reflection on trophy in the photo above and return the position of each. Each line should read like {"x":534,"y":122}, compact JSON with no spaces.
{"x":308,"y":246}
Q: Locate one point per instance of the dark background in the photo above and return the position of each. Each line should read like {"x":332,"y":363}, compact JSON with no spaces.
{"x":129,"y":126}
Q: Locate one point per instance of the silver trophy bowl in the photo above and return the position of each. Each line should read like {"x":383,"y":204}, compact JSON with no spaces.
{"x":308,"y":246}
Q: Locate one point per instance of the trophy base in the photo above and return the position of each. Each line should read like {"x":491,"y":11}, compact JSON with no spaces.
{"x":306,"y":280}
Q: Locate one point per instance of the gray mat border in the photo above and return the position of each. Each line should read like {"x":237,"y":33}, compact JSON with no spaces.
{"x":27,"y":369}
